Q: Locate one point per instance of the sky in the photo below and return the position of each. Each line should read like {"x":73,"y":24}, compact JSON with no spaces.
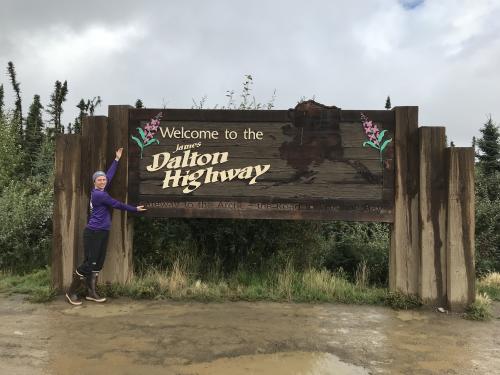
{"x":440,"y":55}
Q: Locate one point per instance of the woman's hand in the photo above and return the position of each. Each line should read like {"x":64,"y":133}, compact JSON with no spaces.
{"x":119,"y":153}
{"x":141,"y":208}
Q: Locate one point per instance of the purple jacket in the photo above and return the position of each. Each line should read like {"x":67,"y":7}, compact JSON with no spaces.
{"x":101,"y":202}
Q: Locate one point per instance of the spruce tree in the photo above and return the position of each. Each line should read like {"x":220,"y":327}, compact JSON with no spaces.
{"x":139,"y":104}
{"x":18,"y":111}
{"x":1,"y":101}
{"x":489,"y":148}
{"x":77,"y":125}
{"x":55,"y":108}
{"x":33,"y":136}
{"x":388,"y":103}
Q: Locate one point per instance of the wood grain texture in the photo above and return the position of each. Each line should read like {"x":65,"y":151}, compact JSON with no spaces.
{"x":460,"y":228}
{"x":67,"y":190}
{"x":433,"y":211}
{"x":93,"y":158}
{"x":316,"y":152}
{"x":118,"y":266}
{"x":404,"y":258}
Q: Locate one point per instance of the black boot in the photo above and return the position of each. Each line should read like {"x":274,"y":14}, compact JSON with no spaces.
{"x":72,"y":293}
{"x":91,"y":293}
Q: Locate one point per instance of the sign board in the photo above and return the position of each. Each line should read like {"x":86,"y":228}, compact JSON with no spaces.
{"x":310,"y":162}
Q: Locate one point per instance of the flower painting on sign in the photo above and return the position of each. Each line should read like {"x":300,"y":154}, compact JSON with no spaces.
{"x":375,"y":136}
{"x":148,"y":133}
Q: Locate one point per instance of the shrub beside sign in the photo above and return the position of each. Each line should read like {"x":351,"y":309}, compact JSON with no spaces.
{"x":311,"y":162}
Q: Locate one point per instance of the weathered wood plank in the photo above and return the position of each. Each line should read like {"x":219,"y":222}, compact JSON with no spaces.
{"x":118,"y":266}
{"x":93,"y":158}
{"x":320,"y":191}
{"x":314,"y":151}
{"x":67,"y":189}
{"x":433,"y":196}
{"x":405,"y":248}
{"x":460,"y":228}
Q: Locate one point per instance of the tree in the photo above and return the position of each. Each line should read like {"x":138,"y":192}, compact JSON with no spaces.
{"x":77,"y":125}
{"x":55,"y":109}
{"x":388,"y":103}
{"x":86,"y":108}
{"x":489,"y":148}
{"x":1,"y":101}
{"x":11,"y":154}
{"x":33,"y":136}
{"x":92,"y":104}
{"x":18,"y":111}
{"x":139,"y":104}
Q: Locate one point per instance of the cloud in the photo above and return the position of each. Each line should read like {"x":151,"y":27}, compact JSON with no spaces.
{"x":63,"y":51}
{"x":439,"y":55}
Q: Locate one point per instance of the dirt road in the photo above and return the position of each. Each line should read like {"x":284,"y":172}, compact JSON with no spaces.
{"x":164,"y":337}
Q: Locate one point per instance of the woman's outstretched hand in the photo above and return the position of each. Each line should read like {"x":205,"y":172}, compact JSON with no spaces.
{"x":119,"y":153}
{"x":141,"y":208}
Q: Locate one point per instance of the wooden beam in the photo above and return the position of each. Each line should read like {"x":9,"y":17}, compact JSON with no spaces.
{"x":432,"y":209}
{"x":404,"y":258}
{"x":118,"y":266}
{"x":93,"y":158}
{"x":461,"y":278}
{"x":67,"y":190}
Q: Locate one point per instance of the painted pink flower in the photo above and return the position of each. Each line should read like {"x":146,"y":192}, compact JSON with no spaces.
{"x":151,"y":128}
{"x":147,"y":135}
{"x":374,"y":135}
{"x":371,"y":130}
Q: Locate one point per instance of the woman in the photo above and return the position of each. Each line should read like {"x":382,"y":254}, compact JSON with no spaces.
{"x":96,"y":234}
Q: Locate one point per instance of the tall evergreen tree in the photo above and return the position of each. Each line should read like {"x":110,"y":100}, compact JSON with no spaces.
{"x":1,"y":101}
{"x":55,"y":108}
{"x":489,"y":148}
{"x":33,"y":136}
{"x":77,"y":124}
{"x":139,"y":104}
{"x":388,"y":103}
{"x":18,"y":111}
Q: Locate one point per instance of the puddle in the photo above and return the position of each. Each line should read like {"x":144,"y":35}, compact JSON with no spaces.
{"x":293,"y":363}
{"x":411,"y":315}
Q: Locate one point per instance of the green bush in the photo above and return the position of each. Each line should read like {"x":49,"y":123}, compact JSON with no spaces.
{"x":225,"y":245}
{"x":487,"y":222}
{"x":25,"y":225}
{"x":353,"y":244}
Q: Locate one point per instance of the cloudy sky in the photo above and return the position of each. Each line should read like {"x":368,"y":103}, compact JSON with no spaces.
{"x":441,"y":55}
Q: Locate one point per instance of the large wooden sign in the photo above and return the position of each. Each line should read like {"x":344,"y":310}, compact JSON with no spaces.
{"x":311,"y":162}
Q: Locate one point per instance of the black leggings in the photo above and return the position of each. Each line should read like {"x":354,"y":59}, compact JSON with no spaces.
{"x":95,"y":243}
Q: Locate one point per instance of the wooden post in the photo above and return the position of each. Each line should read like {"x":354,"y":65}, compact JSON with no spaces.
{"x":432,"y":197}
{"x":93,"y":158}
{"x":461,"y":278}
{"x":404,"y":259}
{"x":67,"y":190}
{"x":118,"y":266}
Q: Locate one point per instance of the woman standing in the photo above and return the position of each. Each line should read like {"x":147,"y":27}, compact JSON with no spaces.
{"x":96,"y":234}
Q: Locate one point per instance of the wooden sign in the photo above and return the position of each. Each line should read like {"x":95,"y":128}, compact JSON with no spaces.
{"x":310,"y":162}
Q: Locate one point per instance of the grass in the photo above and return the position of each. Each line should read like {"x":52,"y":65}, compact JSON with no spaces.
{"x":35,"y":285}
{"x":287,"y":284}
{"x":490,"y":285}
{"x":479,"y":310}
